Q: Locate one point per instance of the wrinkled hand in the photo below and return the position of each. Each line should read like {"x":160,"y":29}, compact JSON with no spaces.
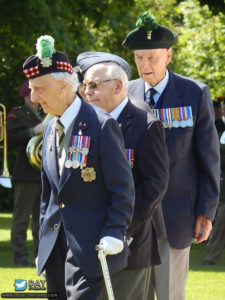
{"x":43,"y":274}
{"x":203,"y":227}
{"x":111,"y":245}
{"x":39,"y":128}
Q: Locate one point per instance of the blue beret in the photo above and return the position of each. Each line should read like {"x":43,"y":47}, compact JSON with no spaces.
{"x":87,"y":59}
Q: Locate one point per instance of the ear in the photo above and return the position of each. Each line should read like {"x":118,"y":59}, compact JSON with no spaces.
{"x":169,"y":56}
{"x":119,"y":86}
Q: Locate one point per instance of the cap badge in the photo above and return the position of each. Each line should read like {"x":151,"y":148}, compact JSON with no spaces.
{"x":147,"y":21}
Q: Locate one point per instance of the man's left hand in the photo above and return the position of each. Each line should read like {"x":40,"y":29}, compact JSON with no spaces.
{"x":203,"y":227}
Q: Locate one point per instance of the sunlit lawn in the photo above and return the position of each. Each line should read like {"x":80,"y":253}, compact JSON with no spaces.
{"x":204,"y":283}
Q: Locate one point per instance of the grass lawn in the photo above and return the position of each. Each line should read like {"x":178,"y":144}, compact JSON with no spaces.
{"x":204,"y":283}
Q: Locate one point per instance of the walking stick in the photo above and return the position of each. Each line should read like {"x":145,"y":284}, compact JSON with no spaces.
{"x":105,"y":271}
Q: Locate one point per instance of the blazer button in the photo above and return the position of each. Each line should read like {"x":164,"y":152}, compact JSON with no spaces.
{"x":62,"y":205}
{"x":56,"y":226}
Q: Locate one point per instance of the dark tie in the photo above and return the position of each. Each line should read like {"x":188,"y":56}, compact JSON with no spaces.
{"x":59,"y":133}
{"x":149,"y":97}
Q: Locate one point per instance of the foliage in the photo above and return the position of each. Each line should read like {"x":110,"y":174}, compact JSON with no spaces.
{"x":215,"y":5}
{"x":202,"y":46}
{"x":93,"y":25}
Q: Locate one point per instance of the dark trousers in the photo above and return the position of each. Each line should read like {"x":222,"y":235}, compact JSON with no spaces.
{"x":26,"y":202}
{"x":65,"y":277}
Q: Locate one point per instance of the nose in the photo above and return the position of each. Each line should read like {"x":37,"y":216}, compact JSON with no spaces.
{"x":34,"y":97}
{"x":144,"y":63}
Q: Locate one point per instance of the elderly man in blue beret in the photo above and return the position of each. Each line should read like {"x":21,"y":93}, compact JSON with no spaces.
{"x":105,"y":85}
{"x":185,"y":108}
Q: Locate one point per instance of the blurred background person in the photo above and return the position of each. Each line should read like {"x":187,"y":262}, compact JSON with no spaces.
{"x":24,"y":122}
{"x":216,"y":242}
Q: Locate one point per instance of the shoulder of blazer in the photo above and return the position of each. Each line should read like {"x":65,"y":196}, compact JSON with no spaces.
{"x":95,"y":115}
{"x":181,"y":82}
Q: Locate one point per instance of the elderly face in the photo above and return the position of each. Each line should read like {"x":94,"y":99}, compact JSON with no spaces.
{"x":50,"y":93}
{"x":151,"y":64}
{"x":102,"y":94}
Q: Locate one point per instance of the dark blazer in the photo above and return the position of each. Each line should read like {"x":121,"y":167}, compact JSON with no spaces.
{"x":194,"y":159}
{"x":87,"y":210}
{"x":145,"y":134}
{"x":19,"y":121}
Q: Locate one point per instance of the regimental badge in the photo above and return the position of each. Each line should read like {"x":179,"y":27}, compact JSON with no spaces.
{"x":130,"y":156}
{"x":175,"y":117}
{"x":88,"y":174}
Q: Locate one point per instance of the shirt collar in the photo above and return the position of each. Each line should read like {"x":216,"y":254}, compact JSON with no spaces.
{"x":117,"y":111}
{"x":159,"y":87}
{"x":70,"y":113}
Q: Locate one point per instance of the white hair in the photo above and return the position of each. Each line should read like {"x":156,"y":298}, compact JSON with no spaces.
{"x":115,"y":71}
{"x":71,"y":79}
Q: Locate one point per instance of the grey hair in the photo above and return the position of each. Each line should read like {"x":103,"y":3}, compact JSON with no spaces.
{"x":115,"y":71}
{"x":71,"y":79}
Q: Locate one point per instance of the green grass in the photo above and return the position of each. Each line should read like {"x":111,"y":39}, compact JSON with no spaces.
{"x":204,"y":283}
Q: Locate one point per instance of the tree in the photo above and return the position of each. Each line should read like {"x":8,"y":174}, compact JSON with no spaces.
{"x":202,"y":46}
{"x":215,"y":5}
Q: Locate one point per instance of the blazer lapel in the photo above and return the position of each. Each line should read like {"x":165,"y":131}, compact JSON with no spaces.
{"x":172,"y":97}
{"x":125,"y":116}
{"x":51,"y":156}
{"x":79,"y":128}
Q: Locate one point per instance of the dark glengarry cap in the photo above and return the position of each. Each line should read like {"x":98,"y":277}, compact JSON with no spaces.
{"x":87,"y":59}
{"x":24,"y":90}
{"x":149,"y":35}
{"x":46,"y":60}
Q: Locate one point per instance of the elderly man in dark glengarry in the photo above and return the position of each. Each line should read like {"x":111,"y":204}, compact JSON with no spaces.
{"x":185,"y":108}
{"x":88,"y":189}
{"x":146,"y":151}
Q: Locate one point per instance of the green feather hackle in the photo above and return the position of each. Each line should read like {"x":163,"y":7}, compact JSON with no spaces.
{"x":45,"y":46}
{"x":147,"y":21}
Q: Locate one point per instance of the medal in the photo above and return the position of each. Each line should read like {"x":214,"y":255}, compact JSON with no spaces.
{"x":82,"y":165}
{"x":88,"y":174}
{"x":130,"y":156}
{"x":68,"y":163}
{"x":85,"y":151}
{"x":75,"y":164}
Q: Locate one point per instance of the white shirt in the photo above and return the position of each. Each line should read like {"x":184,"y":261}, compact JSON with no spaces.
{"x":159,"y":87}
{"x":117,"y":111}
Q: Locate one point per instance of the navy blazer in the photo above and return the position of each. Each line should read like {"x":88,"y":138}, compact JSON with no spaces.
{"x":145,"y":134}
{"x":194,"y":159}
{"x":88,"y":211}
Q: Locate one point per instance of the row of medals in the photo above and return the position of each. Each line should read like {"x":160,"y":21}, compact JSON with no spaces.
{"x":75,"y":163}
{"x":176,"y":124}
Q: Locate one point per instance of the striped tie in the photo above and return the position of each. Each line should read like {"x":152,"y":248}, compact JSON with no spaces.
{"x":59,"y":133}
{"x":149,"y":97}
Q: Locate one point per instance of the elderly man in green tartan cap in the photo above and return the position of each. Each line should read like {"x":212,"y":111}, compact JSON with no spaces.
{"x":185,"y":108}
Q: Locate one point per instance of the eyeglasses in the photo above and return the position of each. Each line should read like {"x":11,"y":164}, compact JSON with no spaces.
{"x":94,"y":84}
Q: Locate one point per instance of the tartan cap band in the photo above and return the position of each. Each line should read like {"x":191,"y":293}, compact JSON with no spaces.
{"x":34,"y":67}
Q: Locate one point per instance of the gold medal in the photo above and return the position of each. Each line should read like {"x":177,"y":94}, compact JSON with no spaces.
{"x":88,"y":174}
